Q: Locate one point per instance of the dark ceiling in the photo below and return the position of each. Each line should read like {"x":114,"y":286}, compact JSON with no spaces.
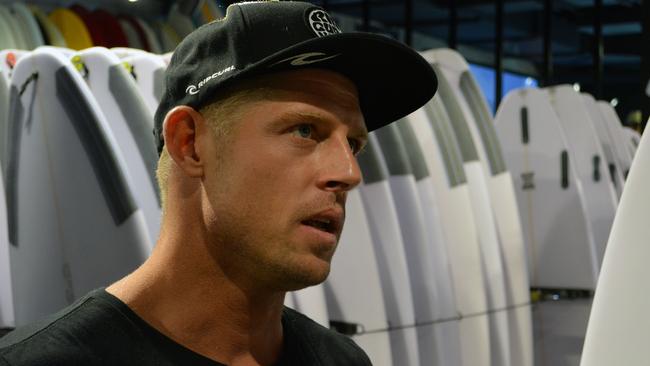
{"x":572,"y":38}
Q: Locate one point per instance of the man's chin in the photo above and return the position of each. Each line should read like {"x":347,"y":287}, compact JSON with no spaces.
{"x":300,"y":278}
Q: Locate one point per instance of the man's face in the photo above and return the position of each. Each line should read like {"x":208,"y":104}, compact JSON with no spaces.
{"x":276,"y":190}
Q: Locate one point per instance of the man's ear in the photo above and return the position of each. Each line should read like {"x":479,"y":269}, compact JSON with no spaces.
{"x":181,"y":127}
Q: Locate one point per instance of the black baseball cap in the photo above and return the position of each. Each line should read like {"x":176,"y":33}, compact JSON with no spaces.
{"x":262,"y":37}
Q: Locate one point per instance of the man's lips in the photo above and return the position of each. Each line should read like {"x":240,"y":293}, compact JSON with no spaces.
{"x":330,"y":221}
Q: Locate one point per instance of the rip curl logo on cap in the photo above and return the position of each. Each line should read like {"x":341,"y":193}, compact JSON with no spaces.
{"x":306,"y":58}
{"x":322,"y":23}
{"x":194,"y":89}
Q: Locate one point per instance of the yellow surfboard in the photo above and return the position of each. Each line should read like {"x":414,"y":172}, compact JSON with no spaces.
{"x":72,"y":28}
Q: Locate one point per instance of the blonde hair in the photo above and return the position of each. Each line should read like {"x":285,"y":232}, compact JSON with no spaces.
{"x":221,"y":115}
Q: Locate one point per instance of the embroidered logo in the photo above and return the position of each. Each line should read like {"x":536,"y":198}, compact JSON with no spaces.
{"x":306,"y":58}
{"x":194,"y":89}
{"x":322,"y":23}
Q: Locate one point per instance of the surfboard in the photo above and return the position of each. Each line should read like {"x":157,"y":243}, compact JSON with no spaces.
{"x":214,"y":10}
{"x":109,"y":25}
{"x":617,"y":332}
{"x":181,"y":23}
{"x":140,"y":32}
{"x":132,"y":36}
{"x":355,"y":299}
{"x":72,"y":28}
{"x":606,"y":143}
{"x":311,"y":302}
{"x":152,"y":38}
{"x":51,"y":34}
{"x":446,"y":325}
{"x":167,"y":36}
{"x":201,"y":14}
{"x":501,"y":195}
{"x":124,"y":52}
{"x":7,"y":318}
{"x":600,"y":197}
{"x":492,"y":250}
{"x":149,"y":73}
{"x":449,"y":183}
{"x":613,"y":124}
{"x":8,"y":60}
{"x":417,"y":247}
{"x":13,"y":28}
{"x":117,"y":94}
{"x":633,"y":136}
{"x":560,"y":243}
{"x":561,"y":252}
{"x":66,"y":174}
{"x":288,"y":301}
{"x":6,"y":34}
{"x":391,"y":259}
{"x":30,"y":27}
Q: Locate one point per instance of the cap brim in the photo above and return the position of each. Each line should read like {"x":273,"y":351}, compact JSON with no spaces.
{"x":392,"y":79}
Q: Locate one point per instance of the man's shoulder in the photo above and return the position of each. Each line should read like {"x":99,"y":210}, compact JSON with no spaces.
{"x":64,"y":338}
{"x":332,"y":348}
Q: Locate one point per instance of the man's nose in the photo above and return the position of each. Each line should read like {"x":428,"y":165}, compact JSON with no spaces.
{"x":340,"y":170}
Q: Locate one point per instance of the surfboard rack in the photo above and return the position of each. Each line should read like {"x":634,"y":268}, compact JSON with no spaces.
{"x":348,"y":329}
{"x":546,"y":294}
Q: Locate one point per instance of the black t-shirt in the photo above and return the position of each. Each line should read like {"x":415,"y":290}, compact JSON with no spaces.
{"x":99,"y":329}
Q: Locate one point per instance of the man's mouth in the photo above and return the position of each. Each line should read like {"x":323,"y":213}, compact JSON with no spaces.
{"x":321,"y":224}
{"x":329,"y":221}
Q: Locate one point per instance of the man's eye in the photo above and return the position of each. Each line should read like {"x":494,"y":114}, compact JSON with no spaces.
{"x":355,"y":145}
{"x":304,"y":131}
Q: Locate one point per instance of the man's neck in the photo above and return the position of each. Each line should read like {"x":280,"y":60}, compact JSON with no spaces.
{"x":197,"y":306}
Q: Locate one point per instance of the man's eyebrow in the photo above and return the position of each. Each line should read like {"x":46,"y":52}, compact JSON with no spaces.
{"x":355,"y":131}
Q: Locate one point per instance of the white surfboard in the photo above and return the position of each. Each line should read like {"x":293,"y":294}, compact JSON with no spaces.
{"x":353,"y":290}
{"x":18,"y":29}
{"x":7,"y":313}
{"x":614,"y":124}
{"x":149,"y":73}
{"x":124,"y":52}
{"x":615,"y":172}
{"x":584,"y":148}
{"x":30,"y":26}
{"x":446,"y":325}
{"x":51,"y":34}
{"x":491,"y":247}
{"x":449,"y":182}
{"x":130,"y":121}
{"x":66,"y":175}
{"x":8,"y":37}
{"x":502,"y":198}
{"x":417,"y":246}
{"x":288,"y":301}
{"x":391,"y":259}
{"x":311,"y":302}
{"x":8,"y":59}
{"x":633,"y":137}
{"x":561,"y":253}
{"x":618,"y":332}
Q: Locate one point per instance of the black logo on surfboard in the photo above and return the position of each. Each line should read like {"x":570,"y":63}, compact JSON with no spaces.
{"x":528,"y":180}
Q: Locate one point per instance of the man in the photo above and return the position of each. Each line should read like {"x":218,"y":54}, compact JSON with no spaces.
{"x":258,"y":128}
